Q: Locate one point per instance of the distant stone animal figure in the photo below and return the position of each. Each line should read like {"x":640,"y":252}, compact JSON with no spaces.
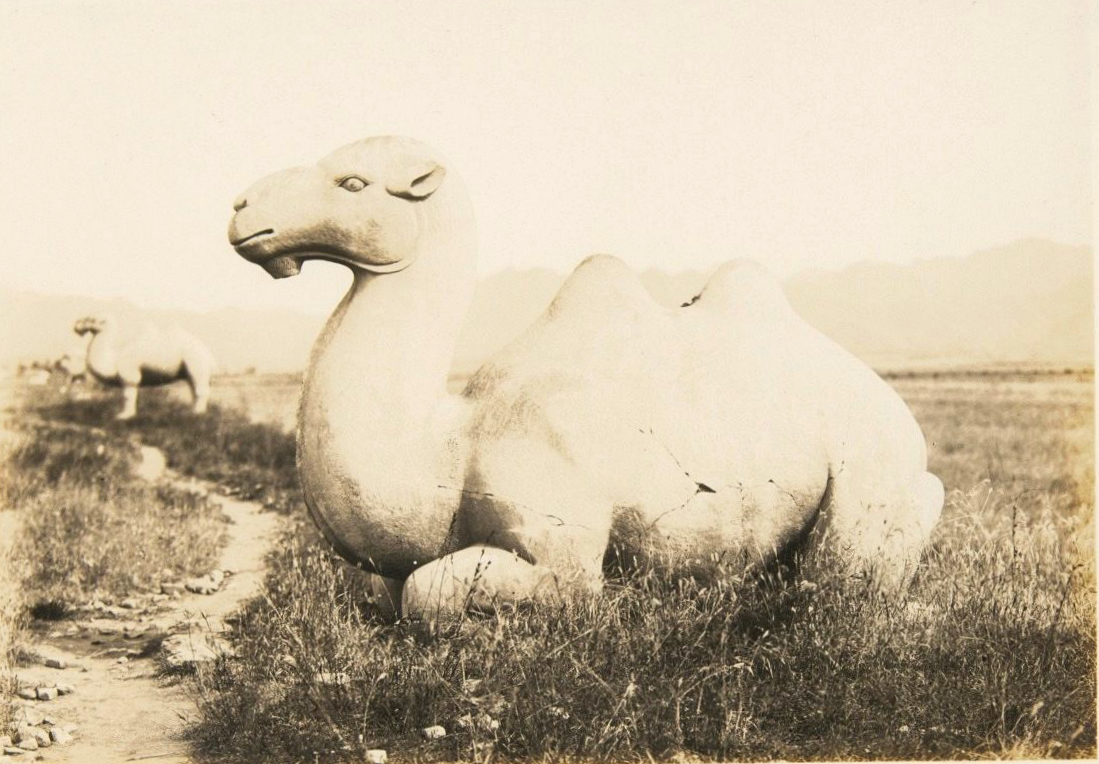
{"x":155,"y":356}
{"x":728,"y":429}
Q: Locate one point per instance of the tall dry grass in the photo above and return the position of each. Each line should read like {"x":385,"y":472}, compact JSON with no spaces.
{"x":89,"y":528}
{"x":991,"y":653}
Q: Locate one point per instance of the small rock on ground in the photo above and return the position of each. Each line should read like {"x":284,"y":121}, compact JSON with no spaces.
{"x":187,"y":649}
{"x":64,"y":689}
{"x":47,"y":693}
{"x":60,"y":736}
{"x":31,"y":716}
{"x":11,"y":750}
{"x":207,"y":584}
{"x":434,"y":732}
{"x":56,"y":663}
{"x":376,"y":756}
{"x":27,"y":693}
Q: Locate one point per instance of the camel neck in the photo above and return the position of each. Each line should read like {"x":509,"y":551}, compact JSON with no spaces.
{"x":379,"y":368}
{"x":100,"y":354}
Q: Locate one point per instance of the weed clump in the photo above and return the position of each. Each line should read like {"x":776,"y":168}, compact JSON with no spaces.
{"x":89,"y":528}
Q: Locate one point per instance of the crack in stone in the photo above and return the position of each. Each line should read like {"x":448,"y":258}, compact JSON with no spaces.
{"x":702,"y":487}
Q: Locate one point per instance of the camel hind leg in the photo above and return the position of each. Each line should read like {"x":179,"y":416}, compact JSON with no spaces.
{"x":879,"y":533}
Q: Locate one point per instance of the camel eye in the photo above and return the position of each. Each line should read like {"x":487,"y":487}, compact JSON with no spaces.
{"x":353,"y":184}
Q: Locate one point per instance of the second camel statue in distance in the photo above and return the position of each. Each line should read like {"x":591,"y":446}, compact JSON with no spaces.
{"x":726,"y":429}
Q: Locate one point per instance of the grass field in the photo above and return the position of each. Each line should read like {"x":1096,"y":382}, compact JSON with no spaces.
{"x":990,"y":654}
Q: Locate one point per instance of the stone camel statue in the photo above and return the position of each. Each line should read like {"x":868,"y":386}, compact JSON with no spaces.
{"x":727,"y":429}
{"x":154,"y":356}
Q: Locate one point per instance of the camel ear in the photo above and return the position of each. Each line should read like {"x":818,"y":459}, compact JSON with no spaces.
{"x":417,"y":182}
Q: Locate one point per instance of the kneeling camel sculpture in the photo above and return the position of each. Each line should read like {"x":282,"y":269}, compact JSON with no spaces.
{"x":727,"y":428}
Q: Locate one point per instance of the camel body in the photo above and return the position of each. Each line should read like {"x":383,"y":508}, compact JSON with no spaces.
{"x":151,"y":357}
{"x":724,"y":430}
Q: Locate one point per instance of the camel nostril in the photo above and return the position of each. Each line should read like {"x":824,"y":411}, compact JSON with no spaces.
{"x":240,"y":204}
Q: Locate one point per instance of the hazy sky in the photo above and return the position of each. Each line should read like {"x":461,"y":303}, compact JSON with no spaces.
{"x":672,"y":134}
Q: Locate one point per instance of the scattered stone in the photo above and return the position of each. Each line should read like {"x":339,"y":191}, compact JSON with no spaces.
{"x":31,"y":716}
{"x":56,"y":663}
{"x":10,"y":750}
{"x":64,"y":689}
{"x":187,"y":649}
{"x":28,"y":744}
{"x":434,"y":732}
{"x":42,"y":737}
{"x":60,"y":736}
{"x":376,"y":756}
{"x":49,"y":721}
{"x":47,"y":693}
{"x":109,"y":630}
{"x":203,"y":584}
{"x":130,"y":603}
{"x":27,"y":693}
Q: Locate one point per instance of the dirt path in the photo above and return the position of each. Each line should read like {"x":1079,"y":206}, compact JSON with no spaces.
{"x":122,"y":709}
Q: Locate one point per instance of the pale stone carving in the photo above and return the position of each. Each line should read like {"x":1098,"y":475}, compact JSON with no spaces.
{"x":725,"y":429}
{"x":154,"y":356}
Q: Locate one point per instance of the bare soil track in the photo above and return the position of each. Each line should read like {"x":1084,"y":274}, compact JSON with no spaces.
{"x":124,"y":706}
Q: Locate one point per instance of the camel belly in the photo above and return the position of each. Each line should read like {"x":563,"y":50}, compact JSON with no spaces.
{"x":745,"y":523}
{"x":161,"y":375}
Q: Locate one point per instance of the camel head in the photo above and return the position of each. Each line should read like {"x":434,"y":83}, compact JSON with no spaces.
{"x":90,"y":324}
{"x":367,"y":205}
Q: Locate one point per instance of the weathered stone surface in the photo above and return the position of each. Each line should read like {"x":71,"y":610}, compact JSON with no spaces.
{"x":204,"y":584}
{"x":5,"y":741}
{"x":64,"y":689}
{"x":27,"y":693}
{"x":376,"y":756}
{"x":434,"y":732}
{"x":42,"y":737}
{"x":28,"y":744}
{"x":60,"y":736}
{"x":57,"y":663}
{"x":11,"y":750}
{"x":130,"y":603}
{"x":172,"y":587}
{"x":189,"y":649}
{"x":47,"y":693}
{"x":30,"y":715}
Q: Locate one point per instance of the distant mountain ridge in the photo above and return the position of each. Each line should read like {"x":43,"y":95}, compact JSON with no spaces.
{"x":1027,"y":302}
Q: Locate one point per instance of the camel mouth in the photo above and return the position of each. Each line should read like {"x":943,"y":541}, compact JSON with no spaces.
{"x":252,"y":237}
